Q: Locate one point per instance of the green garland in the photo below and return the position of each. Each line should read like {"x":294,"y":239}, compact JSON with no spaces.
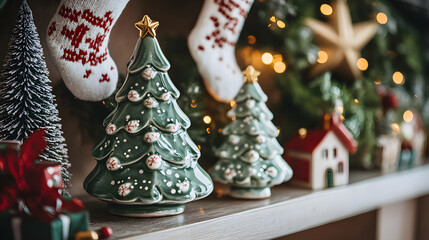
{"x":397,"y":46}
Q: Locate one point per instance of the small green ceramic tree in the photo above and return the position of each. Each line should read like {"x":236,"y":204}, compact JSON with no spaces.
{"x":147,"y":163}
{"x":250,"y":160}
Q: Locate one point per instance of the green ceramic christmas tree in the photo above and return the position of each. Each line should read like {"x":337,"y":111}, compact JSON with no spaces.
{"x":250,"y":160}
{"x":147,"y":163}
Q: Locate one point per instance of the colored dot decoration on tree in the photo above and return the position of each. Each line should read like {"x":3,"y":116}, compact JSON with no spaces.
{"x":113,"y":164}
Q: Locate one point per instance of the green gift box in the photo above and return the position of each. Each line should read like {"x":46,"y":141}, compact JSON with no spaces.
{"x":62,"y":228}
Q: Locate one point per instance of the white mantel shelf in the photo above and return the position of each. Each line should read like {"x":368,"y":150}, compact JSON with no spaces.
{"x":289,"y":209}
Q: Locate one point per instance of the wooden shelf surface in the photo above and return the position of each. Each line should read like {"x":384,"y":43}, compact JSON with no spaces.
{"x":289,"y":210}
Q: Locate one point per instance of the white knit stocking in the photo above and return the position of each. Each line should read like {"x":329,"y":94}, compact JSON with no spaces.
{"x":212,"y":45}
{"x":77,"y":41}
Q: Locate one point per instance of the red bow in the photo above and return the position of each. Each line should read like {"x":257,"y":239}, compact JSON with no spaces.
{"x":17,"y":185}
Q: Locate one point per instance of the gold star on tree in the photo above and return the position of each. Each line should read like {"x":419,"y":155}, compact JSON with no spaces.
{"x":250,"y":74}
{"x":340,"y":41}
{"x":146,"y":25}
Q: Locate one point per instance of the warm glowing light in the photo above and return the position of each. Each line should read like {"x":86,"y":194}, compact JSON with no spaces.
{"x":398,"y":78}
{"x":232,"y":103}
{"x":207,"y":119}
{"x":340,"y":109}
{"x":408,"y":116}
{"x":323,"y":57}
{"x":267,"y":58}
{"x":279,"y":67}
{"x":302,"y":132}
{"x":395,"y":127}
{"x":377,"y":82}
{"x":199,"y":147}
{"x":273,"y":19}
{"x":381,"y":18}
{"x":277,"y":58}
{"x":193,"y":104}
{"x":362,"y":64}
{"x":356,"y":101}
{"x":208,"y":130}
{"x":220,"y":130}
{"x":342,"y":117}
{"x":251,"y":39}
{"x":281,"y":24}
{"x":326,"y":9}
{"x":278,"y":130}
{"x":233,"y":118}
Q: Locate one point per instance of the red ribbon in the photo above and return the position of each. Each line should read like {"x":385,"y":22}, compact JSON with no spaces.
{"x":17,"y":188}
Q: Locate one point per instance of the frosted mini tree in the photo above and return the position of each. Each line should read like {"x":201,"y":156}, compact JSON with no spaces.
{"x":250,"y":160}
{"x":147,"y":163}
{"x":26,"y":100}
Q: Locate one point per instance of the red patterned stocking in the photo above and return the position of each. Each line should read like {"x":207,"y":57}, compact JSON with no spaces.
{"x":77,"y":40}
{"x":212,"y":45}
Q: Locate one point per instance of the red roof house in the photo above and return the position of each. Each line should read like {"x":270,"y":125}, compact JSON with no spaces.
{"x":320,"y":158}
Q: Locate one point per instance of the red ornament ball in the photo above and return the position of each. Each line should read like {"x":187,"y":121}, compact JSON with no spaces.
{"x":104,"y":232}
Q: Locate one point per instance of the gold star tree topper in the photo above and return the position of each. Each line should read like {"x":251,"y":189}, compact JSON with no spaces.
{"x":146,"y":25}
{"x":341,"y":41}
{"x":251,"y":74}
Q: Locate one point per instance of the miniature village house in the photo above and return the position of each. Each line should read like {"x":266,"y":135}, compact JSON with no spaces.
{"x":387,"y":152}
{"x":320,"y":158}
{"x":415,"y":139}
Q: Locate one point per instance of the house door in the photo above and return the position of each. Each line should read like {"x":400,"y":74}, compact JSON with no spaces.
{"x":329,"y":178}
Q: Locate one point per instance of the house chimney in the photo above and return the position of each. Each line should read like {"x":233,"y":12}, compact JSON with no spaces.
{"x":327,"y":121}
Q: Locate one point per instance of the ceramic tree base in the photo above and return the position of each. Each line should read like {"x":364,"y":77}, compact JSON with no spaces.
{"x":250,"y":193}
{"x":145,"y":210}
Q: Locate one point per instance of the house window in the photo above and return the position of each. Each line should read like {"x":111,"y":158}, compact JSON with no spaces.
{"x":325,"y":154}
{"x":340,"y":167}
{"x":335,"y":152}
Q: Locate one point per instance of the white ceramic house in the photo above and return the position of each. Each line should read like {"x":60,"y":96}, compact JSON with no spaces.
{"x":320,"y":158}
{"x":387,"y":151}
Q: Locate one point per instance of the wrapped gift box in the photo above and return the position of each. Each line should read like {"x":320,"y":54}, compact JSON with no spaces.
{"x":62,"y":228}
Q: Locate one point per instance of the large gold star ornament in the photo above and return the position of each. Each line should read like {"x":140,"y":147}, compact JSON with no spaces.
{"x":340,"y":41}
{"x":251,"y":74}
{"x":146,"y":25}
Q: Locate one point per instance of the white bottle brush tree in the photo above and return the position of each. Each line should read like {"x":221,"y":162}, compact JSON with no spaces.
{"x":26,"y":100}
{"x":250,"y":160}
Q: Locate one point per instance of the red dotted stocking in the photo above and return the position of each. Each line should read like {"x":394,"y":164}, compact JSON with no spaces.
{"x":77,"y":41}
